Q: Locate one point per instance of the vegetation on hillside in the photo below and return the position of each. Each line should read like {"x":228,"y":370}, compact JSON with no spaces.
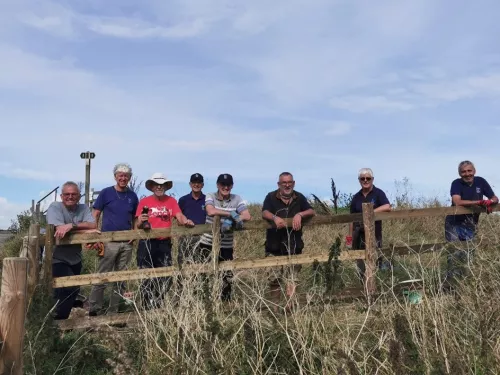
{"x":447,"y":333}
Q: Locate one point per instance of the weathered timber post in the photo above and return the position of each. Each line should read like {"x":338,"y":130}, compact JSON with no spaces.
{"x":371,"y":250}
{"x":49,"y":248}
{"x":12,"y":314}
{"x":216,"y":241}
{"x":33,"y":258}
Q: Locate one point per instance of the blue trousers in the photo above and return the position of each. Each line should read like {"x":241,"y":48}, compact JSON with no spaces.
{"x":153,"y":254}
{"x":457,"y":261}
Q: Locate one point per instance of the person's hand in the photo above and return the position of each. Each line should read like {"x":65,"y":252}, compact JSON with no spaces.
{"x":487,"y":204}
{"x":297,"y":222}
{"x":348,"y":242}
{"x":143,"y":217}
{"x":279,"y":222}
{"x":61,"y":230}
{"x":189,"y":223}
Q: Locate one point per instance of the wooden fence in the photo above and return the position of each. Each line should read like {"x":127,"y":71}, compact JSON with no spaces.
{"x":21,"y":276}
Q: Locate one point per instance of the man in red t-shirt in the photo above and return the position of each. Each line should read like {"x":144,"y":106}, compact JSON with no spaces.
{"x":157,"y":252}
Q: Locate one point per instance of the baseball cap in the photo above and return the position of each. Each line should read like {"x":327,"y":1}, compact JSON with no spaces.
{"x":196,"y":178}
{"x":225,"y":179}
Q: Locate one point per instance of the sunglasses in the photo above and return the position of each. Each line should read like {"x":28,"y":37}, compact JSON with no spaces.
{"x":70,"y":194}
{"x":367,"y":179}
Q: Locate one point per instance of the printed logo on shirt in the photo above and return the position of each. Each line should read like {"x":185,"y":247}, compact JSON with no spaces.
{"x":478,"y":190}
{"x":162,"y":213}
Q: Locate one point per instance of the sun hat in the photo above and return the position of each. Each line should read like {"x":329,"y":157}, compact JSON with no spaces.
{"x":160,"y":179}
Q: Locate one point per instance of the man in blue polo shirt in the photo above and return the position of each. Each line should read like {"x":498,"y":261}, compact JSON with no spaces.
{"x":118,"y":205}
{"x":192,"y":206}
{"x":467,"y":191}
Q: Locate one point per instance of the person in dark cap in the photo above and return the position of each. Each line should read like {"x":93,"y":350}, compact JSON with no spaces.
{"x":192,"y":206}
{"x":233,"y":211}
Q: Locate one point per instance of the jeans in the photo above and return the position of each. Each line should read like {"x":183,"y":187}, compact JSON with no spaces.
{"x":116,"y":257}
{"x":65,"y":297}
{"x":154,"y":253}
{"x":458,"y":260}
{"x":458,"y":231}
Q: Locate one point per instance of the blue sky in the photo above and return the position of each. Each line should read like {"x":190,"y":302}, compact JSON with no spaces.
{"x":319,"y":88}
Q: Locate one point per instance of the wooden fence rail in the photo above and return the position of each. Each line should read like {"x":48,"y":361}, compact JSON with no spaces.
{"x":126,"y":235}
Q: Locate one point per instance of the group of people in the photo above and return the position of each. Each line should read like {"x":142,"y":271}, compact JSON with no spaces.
{"x":118,"y":208}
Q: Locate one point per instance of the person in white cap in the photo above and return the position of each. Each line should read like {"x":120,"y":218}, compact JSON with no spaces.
{"x":157,"y":210}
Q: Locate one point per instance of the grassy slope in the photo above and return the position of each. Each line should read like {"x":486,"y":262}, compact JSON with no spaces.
{"x":455,"y":334}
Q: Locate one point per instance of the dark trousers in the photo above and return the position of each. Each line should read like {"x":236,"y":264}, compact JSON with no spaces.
{"x":65,"y":297}
{"x":204,"y":255}
{"x":358,"y":243}
{"x":153,"y":254}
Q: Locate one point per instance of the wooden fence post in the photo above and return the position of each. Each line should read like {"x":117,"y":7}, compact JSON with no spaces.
{"x":216,"y":241}
{"x":49,"y":249}
{"x":33,"y":258}
{"x":12,"y":314}
{"x":371,"y":250}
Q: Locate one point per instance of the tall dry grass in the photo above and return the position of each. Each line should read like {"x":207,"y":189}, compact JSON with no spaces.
{"x":447,"y":333}
{"x":195,"y":333}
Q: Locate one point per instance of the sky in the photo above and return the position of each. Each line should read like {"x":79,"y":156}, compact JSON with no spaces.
{"x":320,"y":88}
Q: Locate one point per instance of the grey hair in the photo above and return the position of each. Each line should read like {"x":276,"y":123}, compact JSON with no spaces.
{"x":285,"y":174}
{"x":464,"y":163}
{"x":70,"y":183}
{"x":367,"y":171}
{"x":122,"y":168}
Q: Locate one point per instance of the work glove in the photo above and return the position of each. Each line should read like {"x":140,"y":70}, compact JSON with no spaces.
{"x":237,"y":220}
{"x":226,"y":225}
{"x":487,"y":204}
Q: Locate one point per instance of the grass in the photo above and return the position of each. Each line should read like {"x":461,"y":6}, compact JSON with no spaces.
{"x":196,"y":333}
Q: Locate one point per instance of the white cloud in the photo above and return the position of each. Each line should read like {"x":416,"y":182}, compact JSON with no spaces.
{"x":369,"y":103}
{"x":8,"y":212}
{"x":138,"y":29}
{"x":338,"y":128}
{"x":251,"y":87}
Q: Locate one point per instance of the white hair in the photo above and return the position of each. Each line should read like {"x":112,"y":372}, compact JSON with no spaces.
{"x":70,"y":183}
{"x":122,"y":168}
{"x":367,"y":171}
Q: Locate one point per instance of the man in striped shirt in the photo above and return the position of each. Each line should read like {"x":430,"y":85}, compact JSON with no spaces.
{"x":233,"y":211}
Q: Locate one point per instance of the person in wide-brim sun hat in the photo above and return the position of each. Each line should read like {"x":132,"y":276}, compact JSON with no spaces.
{"x":159,"y":179}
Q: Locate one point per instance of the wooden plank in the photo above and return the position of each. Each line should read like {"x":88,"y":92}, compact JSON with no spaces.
{"x":216,"y":241}
{"x":413,"y":249}
{"x":94,"y":322}
{"x":12,"y":314}
{"x":176,"y":231}
{"x":430,"y":212}
{"x":49,"y":250}
{"x":108,"y":277}
{"x":23,"y":253}
{"x":371,"y":250}
{"x":33,"y":258}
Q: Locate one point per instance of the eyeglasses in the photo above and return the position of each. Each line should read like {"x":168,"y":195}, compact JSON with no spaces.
{"x":226,"y":186}
{"x":368,"y":179}
{"x":70,"y":194}
{"x":158,"y":186}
